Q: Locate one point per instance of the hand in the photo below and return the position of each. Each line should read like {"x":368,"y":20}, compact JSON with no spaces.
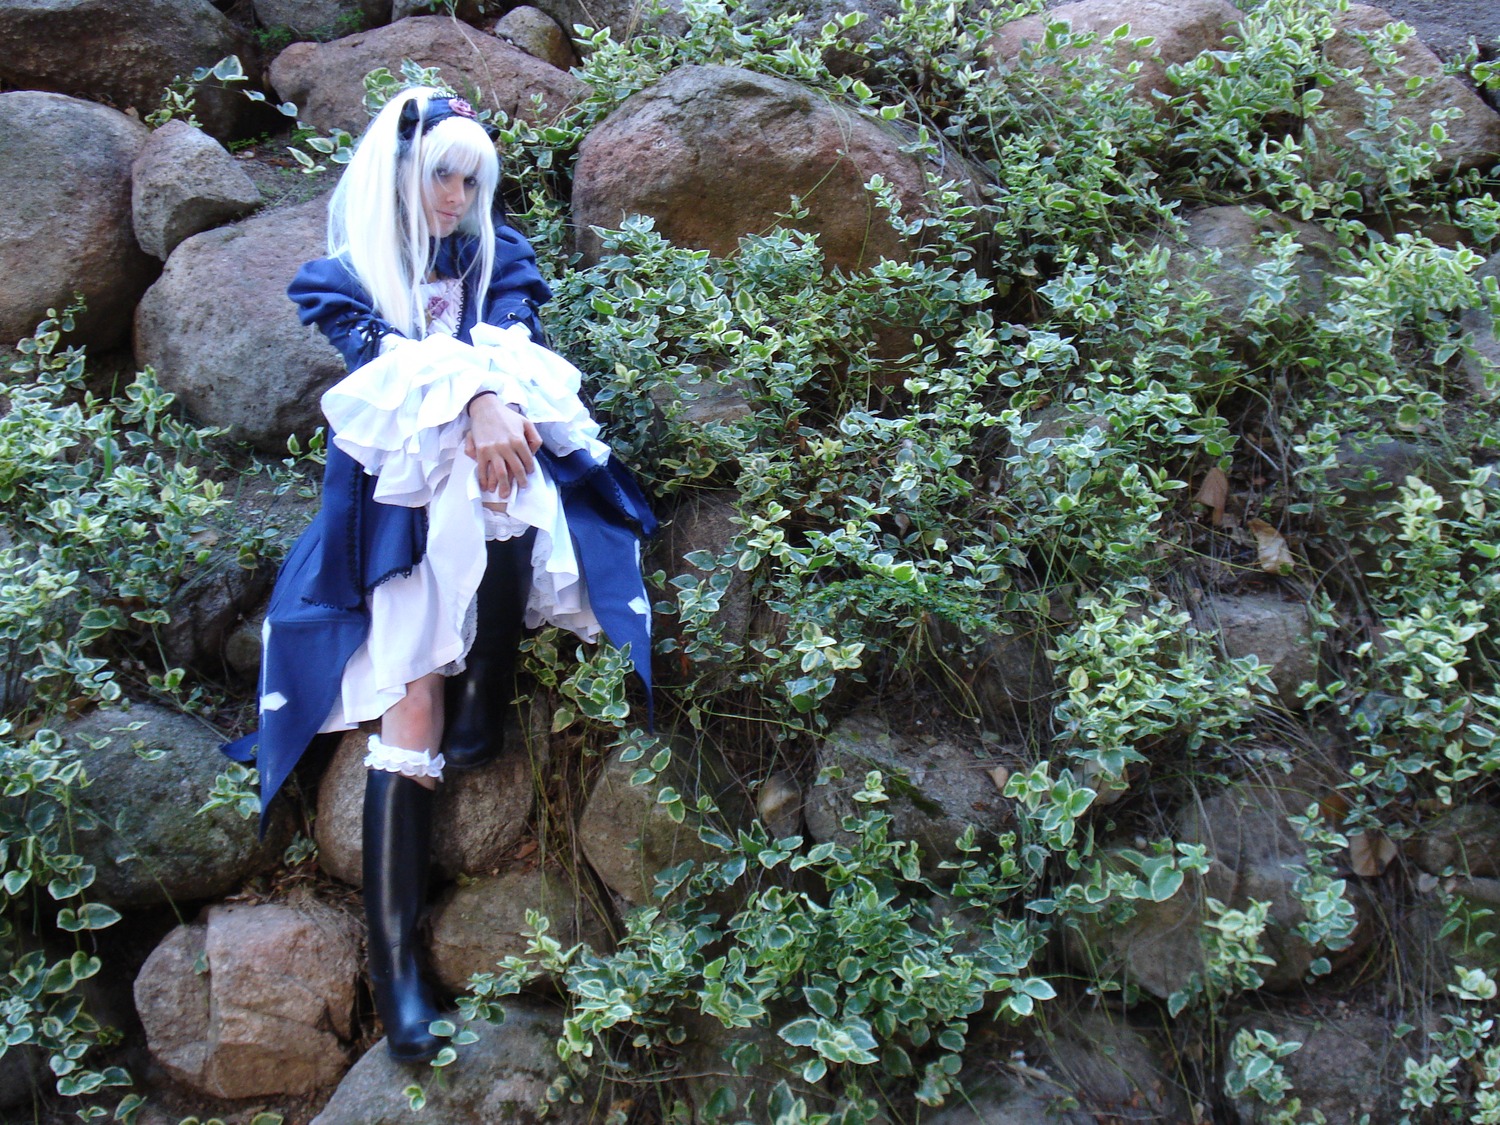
{"x":501,"y":440}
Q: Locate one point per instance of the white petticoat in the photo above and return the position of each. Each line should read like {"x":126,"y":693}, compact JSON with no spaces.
{"x":403,"y":417}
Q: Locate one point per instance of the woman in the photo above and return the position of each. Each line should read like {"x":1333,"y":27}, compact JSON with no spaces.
{"x":465,"y":496}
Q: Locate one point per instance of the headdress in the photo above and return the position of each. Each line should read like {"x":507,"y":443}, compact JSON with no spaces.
{"x":436,"y":109}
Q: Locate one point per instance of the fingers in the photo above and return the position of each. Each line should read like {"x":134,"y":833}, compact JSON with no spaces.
{"x":533,"y":439}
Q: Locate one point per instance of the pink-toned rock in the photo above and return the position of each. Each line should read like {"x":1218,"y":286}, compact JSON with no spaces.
{"x":256,"y":1000}
{"x":713,"y":153}
{"x":480,"y":921}
{"x":480,"y":814}
{"x":182,"y":183}
{"x":1473,"y":139}
{"x":1181,"y":30}
{"x":327,"y":79}
{"x":69,"y":229}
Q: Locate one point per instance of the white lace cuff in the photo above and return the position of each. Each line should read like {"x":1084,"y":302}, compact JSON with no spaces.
{"x":408,"y":763}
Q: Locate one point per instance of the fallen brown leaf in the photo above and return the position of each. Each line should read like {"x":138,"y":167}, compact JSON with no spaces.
{"x":1213,"y":493}
{"x":1370,"y":853}
{"x":1271,"y":550}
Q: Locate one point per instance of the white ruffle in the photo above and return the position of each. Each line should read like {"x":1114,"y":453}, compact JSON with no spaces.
{"x":403,"y":417}
{"x":410,"y":763}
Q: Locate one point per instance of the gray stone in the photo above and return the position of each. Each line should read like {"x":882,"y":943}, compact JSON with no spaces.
{"x":538,"y":34}
{"x":125,"y":51}
{"x":500,"y":1080}
{"x":1473,"y":139}
{"x":1180,"y":30}
{"x":936,"y":789}
{"x":664,"y":152}
{"x":704,"y":521}
{"x":479,"y":817}
{"x":1483,"y":368}
{"x":1446,"y":26}
{"x":70,"y":226}
{"x":205,"y":609}
{"x":1465,"y":840}
{"x":146,"y":841}
{"x":1226,"y":247}
{"x":1348,"y":1067}
{"x":23,"y":1077}
{"x":704,"y":1070}
{"x":184,"y":182}
{"x":223,"y":337}
{"x":1269,"y":627}
{"x":322,"y":19}
{"x":1009,"y":672}
{"x":479,"y":921}
{"x":1008,"y":1095}
{"x":256,"y":1000}
{"x":1113,"y":1069}
{"x":327,"y":79}
{"x":627,"y":837}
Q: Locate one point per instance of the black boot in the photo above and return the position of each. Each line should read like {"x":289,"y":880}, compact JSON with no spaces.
{"x":479,"y":698}
{"x":398,"y":837}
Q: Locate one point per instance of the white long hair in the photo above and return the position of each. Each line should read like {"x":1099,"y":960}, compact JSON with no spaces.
{"x":376,"y":221}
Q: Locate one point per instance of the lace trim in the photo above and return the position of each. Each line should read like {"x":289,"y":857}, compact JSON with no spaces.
{"x":408,"y":763}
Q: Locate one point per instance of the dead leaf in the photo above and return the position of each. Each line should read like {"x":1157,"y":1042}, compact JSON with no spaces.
{"x":1271,"y":550}
{"x":1000,"y":776}
{"x":1213,"y":493}
{"x":1370,"y":853}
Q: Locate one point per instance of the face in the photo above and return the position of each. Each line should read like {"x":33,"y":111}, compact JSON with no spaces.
{"x":446,"y":198}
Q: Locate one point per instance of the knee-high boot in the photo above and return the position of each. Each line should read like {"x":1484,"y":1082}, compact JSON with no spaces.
{"x":397,"y":844}
{"x":479,"y":698}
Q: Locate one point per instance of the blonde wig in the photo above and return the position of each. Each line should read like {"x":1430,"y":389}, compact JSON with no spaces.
{"x":376,"y":222}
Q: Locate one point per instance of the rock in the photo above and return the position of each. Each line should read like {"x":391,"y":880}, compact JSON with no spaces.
{"x":664,"y":152}
{"x":1114,"y":1070}
{"x":1268,"y":626}
{"x":222,"y":335}
{"x":23,"y":1076}
{"x":257,"y":1000}
{"x":144,"y":837}
{"x":935,"y":790}
{"x":123,"y":51}
{"x":1473,"y":139}
{"x":1478,"y":321}
{"x":704,"y":1070}
{"x":1226,"y":248}
{"x":205,"y":609}
{"x":1446,"y":26}
{"x":538,"y":34}
{"x":704,"y":521}
{"x":321,"y":19}
{"x":71,"y":226}
{"x":627,"y":837}
{"x":480,"y":814}
{"x":1466,"y":840}
{"x":1181,"y":30}
{"x":1009,"y":1095}
{"x":502,"y":1078}
{"x":1348,"y":1068}
{"x":1009,"y":671}
{"x":184,"y":182}
{"x":327,"y":79}
{"x":481,"y":920}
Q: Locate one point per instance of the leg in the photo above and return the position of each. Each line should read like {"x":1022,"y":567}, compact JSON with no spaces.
{"x":397,"y":847}
{"x":479,"y":698}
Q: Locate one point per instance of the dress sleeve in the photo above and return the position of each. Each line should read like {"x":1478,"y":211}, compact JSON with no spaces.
{"x":328,"y":295}
{"x":516,"y":287}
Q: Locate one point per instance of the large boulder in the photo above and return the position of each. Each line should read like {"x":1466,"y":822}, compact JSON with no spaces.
{"x":1263,"y":624}
{"x":222,"y":335}
{"x":1348,"y":1069}
{"x":936,"y":789}
{"x":479,"y":818}
{"x":501,"y":1078}
{"x":149,"y":771}
{"x":126,"y":51}
{"x":327,"y":79}
{"x":1179,"y":31}
{"x":256,"y":1000}
{"x":479,"y":921}
{"x":184,"y":182}
{"x":538,"y":34}
{"x":1473,"y":139}
{"x":65,"y":213}
{"x":1227,"y":250}
{"x":667,"y":152}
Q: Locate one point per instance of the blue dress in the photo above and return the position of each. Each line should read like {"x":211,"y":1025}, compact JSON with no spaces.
{"x":319,"y":611}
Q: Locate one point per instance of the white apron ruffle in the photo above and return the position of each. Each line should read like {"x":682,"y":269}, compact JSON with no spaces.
{"x":403,"y":417}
